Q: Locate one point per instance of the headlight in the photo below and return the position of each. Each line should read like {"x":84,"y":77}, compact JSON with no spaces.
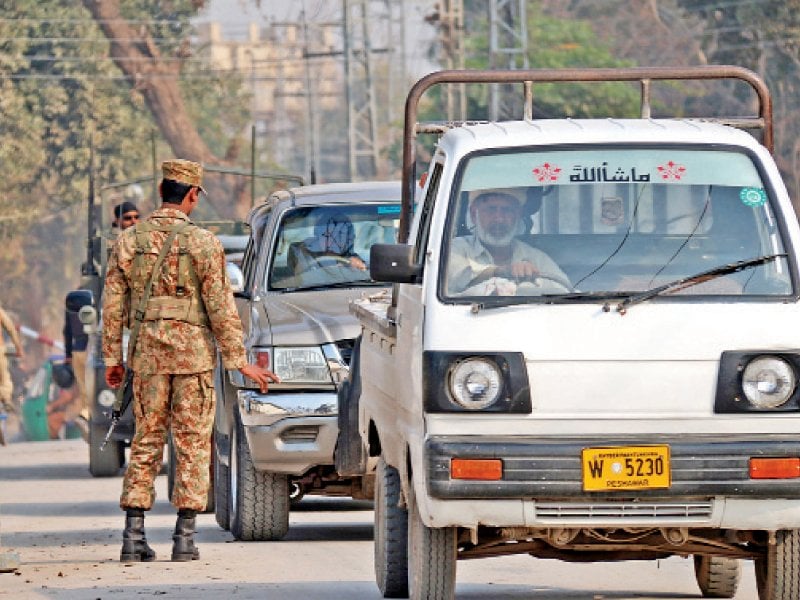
{"x":768,"y":382}
{"x":301,"y":365}
{"x":106,"y":398}
{"x":475,"y":383}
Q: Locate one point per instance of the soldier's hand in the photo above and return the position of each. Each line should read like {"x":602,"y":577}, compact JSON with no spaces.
{"x":263,"y":377}
{"x":114,"y":376}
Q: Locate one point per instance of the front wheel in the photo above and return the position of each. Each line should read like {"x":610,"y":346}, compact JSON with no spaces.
{"x":391,"y":534}
{"x":717,"y":576}
{"x":777,"y":570}
{"x":432,"y":554}
{"x":259,"y":501}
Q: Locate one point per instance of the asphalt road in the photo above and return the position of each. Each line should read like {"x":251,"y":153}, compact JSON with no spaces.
{"x":65,"y":528}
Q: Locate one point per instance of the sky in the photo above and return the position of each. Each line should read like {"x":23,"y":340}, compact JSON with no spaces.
{"x":235,"y":15}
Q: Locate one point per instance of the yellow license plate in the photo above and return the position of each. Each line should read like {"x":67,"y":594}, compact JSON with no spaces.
{"x":625,"y":468}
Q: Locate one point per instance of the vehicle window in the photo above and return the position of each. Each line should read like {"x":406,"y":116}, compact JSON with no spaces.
{"x":611,"y":221}
{"x":250,"y":258}
{"x":426,"y":214}
{"x":329,"y":245}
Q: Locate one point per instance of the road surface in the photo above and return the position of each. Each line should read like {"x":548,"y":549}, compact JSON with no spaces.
{"x":65,"y":527}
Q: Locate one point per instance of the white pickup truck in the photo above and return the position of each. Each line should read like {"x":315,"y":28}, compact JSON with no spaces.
{"x":591,"y":349}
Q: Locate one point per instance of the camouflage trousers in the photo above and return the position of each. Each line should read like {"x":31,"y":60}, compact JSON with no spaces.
{"x":6,"y":384}
{"x":184,"y":403}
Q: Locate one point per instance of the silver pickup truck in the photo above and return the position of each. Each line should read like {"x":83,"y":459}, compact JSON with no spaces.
{"x":306,"y":260}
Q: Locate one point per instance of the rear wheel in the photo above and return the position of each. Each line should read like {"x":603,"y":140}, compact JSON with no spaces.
{"x":778,"y":571}
{"x":108,"y":461}
{"x":431,"y":557}
{"x":258,"y":501}
{"x":717,"y":576}
{"x":391,"y":534}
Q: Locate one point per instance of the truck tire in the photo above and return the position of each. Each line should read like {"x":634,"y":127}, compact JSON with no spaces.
{"x":222,"y":490}
{"x":391,"y":534}
{"x":432,"y":554}
{"x":351,"y":456}
{"x":717,"y":576}
{"x":258,"y":501}
{"x":777,"y":571}
{"x":108,"y":461}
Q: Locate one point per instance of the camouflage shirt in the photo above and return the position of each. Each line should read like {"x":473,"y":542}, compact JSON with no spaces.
{"x":167,"y":345}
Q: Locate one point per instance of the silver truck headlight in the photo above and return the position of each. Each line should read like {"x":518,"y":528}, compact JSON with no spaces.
{"x":475,"y":383}
{"x":768,"y":382}
{"x":305,"y":364}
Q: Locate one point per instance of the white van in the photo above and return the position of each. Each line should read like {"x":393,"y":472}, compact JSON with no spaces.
{"x":591,"y":351}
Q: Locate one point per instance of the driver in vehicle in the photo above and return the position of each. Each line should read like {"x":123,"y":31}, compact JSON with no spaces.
{"x":492,"y":261}
{"x":332,"y":245}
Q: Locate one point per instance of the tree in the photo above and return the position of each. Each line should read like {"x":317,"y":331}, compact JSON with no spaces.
{"x":154,"y":70}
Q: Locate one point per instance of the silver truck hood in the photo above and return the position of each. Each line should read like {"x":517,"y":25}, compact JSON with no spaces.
{"x":309,"y":318}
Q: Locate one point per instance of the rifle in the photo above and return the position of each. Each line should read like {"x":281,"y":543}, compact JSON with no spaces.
{"x":124,"y":395}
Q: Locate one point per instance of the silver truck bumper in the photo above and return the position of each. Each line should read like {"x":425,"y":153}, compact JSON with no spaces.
{"x":289,"y":432}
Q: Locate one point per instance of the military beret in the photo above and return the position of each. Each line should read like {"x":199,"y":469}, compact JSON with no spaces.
{"x":183,"y":171}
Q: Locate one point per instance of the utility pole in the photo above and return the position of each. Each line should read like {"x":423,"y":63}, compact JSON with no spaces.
{"x":362,"y":125}
{"x":508,"y":49}
{"x":312,"y":143}
{"x":451,"y":42}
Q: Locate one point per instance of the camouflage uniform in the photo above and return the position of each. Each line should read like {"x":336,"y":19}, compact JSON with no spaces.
{"x":6,"y":384}
{"x":175,"y":352}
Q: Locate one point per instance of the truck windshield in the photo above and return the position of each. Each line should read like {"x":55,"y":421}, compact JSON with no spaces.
{"x":601,"y":222}
{"x":328,"y":246}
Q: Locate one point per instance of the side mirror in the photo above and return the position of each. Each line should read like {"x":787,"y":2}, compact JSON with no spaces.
{"x":394,"y":263}
{"x":77,"y":299}
{"x":235,"y":276}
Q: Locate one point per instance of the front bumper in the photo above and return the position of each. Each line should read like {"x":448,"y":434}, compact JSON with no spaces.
{"x":289,"y":432}
{"x":541,"y":485}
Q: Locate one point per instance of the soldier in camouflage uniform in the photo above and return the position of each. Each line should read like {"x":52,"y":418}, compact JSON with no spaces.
{"x":6,"y":384}
{"x":191,"y":305}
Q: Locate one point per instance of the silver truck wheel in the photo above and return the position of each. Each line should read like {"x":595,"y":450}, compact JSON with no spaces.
{"x":259,"y":501}
{"x":222,"y":490}
{"x":108,"y":461}
{"x":717,"y":576}
{"x":778,"y":573}
{"x":431,"y":557}
{"x":391,"y":534}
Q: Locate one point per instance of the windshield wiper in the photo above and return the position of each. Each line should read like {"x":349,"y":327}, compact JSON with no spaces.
{"x":500,"y":301}
{"x":335,"y":284}
{"x":696,"y":279}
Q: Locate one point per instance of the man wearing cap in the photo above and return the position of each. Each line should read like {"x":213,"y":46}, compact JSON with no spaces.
{"x":125,"y":215}
{"x":190,"y":308}
{"x":492,"y":262}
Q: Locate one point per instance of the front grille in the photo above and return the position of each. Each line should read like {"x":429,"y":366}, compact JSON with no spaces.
{"x":609,"y":511}
{"x":547,"y":469}
{"x":346,"y":350}
{"x":302,"y":434}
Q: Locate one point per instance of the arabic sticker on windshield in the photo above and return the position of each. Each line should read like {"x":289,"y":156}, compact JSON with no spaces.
{"x":753,"y":196}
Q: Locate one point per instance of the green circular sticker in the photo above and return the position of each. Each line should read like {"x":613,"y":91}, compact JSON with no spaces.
{"x":753,"y":196}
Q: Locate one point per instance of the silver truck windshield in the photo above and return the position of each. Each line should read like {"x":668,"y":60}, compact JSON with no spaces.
{"x":611,"y":222}
{"x":328,"y":246}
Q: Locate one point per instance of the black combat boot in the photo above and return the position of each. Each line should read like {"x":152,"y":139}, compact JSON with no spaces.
{"x":183,"y":548}
{"x":134,"y":544}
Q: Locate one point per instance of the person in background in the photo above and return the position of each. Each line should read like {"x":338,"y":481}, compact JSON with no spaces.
{"x":125,"y":215}
{"x":6,"y":383}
